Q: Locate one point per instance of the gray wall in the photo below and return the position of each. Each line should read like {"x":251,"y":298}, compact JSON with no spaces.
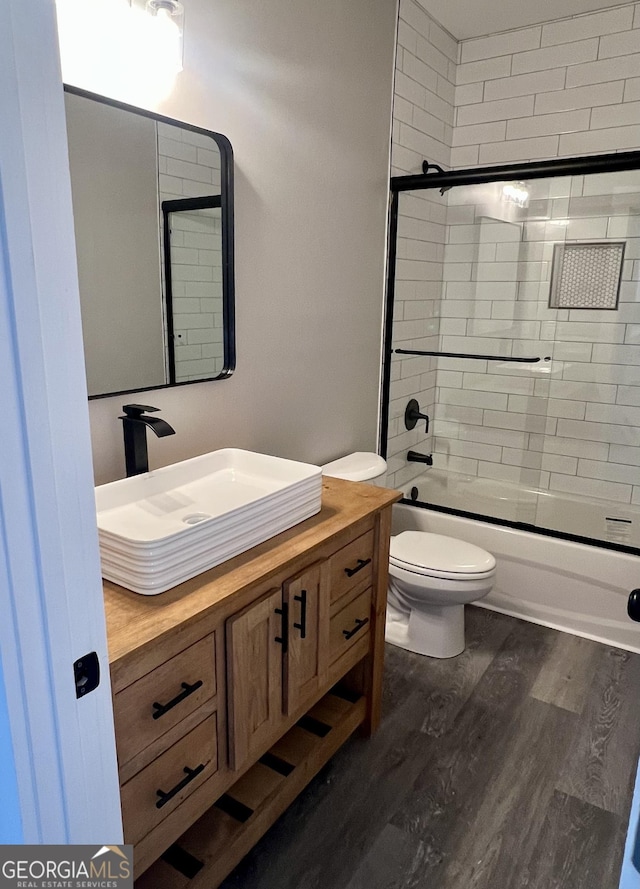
{"x":114,"y":180}
{"x":303,"y":91}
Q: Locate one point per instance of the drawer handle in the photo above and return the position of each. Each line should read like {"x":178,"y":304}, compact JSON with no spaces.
{"x":360,"y":623}
{"x":302,"y":626}
{"x":190,"y":773}
{"x":161,"y":709}
{"x":361,"y":564}
{"x":284,"y":638}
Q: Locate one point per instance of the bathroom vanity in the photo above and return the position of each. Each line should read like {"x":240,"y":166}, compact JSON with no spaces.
{"x":232,"y":690}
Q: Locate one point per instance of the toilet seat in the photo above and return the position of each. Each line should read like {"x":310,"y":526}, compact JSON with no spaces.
{"x":433,"y":555}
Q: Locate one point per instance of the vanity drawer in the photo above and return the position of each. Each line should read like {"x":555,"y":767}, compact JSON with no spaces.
{"x":350,"y":625}
{"x":162,"y":699}
{"x":352,"y":565}
{"x":176,"y":774}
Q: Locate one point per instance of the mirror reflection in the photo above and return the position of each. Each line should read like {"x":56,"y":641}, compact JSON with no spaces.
{"x":152,"y":202}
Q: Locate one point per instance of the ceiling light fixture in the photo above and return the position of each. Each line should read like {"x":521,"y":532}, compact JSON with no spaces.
{"x":129,"y":50}
{"x":167,"y":17}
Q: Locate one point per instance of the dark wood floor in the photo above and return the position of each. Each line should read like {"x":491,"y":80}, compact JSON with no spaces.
{"x":510,"y":766}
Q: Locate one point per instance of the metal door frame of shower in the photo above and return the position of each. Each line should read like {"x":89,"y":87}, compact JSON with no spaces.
{"x":573,"y":166}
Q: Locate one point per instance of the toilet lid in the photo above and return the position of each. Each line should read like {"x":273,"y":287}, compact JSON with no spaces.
{"x":422,"y":552}
{"x":359,"y":467}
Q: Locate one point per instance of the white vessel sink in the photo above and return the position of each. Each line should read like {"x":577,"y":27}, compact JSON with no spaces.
{"x":161,"y":528}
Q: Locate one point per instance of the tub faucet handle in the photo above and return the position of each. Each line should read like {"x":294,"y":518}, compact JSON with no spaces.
{"x":412,"y":415}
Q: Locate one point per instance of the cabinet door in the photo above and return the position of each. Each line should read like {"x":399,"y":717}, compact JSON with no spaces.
{"x":254,"y":674}
{"x":308,"y":624}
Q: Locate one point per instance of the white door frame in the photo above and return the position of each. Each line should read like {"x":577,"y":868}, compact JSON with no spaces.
{"x":51,"y":607}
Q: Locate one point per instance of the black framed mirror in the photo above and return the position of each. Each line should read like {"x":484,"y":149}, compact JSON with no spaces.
{"x":153,"y":214}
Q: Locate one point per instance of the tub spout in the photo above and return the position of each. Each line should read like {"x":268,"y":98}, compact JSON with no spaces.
{"x":415,"y":457}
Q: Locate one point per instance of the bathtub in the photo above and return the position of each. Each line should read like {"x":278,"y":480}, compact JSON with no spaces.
{"x":575,"y":587}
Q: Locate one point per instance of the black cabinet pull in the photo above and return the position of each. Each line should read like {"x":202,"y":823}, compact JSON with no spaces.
{"x":302,"y":626}
{"x":360,"y":623}
{"x":190,"y":773}
{"x":361,"y":564}
{"x":284,"y":638}
{"x":161,"y":709}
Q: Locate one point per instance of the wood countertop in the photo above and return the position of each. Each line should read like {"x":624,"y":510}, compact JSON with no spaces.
{"x":134,"y":621}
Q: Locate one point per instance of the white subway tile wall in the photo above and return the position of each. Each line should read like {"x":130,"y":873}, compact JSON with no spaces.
{"x":422,"y":129}
{"x":586,"y":69}
{"x":569,"y":423}
{"x":189,"y":166}
{"x":572,"y":88}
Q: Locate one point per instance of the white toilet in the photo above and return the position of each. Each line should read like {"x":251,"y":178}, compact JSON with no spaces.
{"x":431,"y":577}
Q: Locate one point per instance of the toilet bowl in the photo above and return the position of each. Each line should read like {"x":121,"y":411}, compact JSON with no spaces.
{"x":431,"y":577}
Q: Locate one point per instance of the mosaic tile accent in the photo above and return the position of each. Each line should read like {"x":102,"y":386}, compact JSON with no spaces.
{"x":586,"y":275}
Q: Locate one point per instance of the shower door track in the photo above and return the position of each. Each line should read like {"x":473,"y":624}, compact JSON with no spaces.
{"x":523,"y":526}
{"x":571,"y":166}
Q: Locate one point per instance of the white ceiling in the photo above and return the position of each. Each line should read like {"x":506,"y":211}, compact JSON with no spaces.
{"x":475,"y":18}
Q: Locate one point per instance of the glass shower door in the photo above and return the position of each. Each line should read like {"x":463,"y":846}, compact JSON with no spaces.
{"x":517,"y":328}
{"x":487,"y":370}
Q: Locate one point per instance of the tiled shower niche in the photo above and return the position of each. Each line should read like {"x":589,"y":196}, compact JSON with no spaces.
{"x":586,"y":275}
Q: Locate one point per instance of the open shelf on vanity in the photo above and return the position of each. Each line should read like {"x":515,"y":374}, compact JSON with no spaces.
{"x":217,"y":842}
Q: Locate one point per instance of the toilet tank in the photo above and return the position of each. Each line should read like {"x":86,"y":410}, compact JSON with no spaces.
{"x":362,"y":466}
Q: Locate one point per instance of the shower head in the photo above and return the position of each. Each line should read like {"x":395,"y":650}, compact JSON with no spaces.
{"x":426,"y":166}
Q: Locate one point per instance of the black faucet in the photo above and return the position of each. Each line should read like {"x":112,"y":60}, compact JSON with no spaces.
{"x":134,"y":423}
